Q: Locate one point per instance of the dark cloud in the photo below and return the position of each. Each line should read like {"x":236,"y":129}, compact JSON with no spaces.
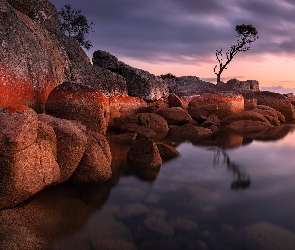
{"x":187,"y":30}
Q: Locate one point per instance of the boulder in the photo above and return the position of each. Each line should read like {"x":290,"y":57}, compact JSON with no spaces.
{"x":144,"y":154}
{"x":44,"y":13}
{"x":142,"y":132}
{"x":18,"y":127}
{"x":201,"y":112}
{"x":281,"y":117}
{"x":36,"y":57}
{"x":175,"y":115}
{"x":153,"y":121}
{"x":122,"y":107}
{"x":105,"y":60}
{"x":211,"y":120}
{"x":270,"y":115}
{"x":71,"y":144}
{"x":73,"y":101}
{"x":142,"y":84}
{"x":188,"y":131}
{"x":276,"y":101}
{"x":248,"y":126}
{"x":190,"y":86}
{"x":174,"y":101}
{"x":95,"y":165}
{"x":167,"y":152}
{"x":223,"y":103}
{"x":27,"y":156}
{"x":246,"y":115}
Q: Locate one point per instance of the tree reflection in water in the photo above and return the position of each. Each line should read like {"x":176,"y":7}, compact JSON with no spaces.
{"x":241,"y":178}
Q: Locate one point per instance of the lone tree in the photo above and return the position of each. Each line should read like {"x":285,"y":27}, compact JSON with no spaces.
{"x":75,"y":25}
{"x":246,"y":34}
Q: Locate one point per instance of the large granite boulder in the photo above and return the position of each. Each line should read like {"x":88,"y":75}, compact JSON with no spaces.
{"x":141,"y":131}
{"x":246,"y":115}
{"x":35,"y":56}
{"x":153,"y":121}
{"x":222,"y":104}
{"x":142,"y":84}
{"x":27,"y":156}
{"x":86,"y":104}
{"x":95,"y":165}
{"x":71,"y":144}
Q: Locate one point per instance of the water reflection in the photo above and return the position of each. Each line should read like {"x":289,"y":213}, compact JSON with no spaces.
{"x":242,"y":179}
{"x":187,"y":204}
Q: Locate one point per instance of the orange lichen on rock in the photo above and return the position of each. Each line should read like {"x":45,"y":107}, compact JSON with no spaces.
{"x":227,"y":103}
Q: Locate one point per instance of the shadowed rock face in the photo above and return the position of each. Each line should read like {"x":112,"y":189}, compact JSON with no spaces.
{"x":35,"y":56}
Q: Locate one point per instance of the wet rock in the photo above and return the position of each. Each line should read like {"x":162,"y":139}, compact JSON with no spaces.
{"x":167,"y":152}
{"x":249,"y":126}
{"x":246,"y":115}
{"x":71,"y":144}
{"x":126,"y":138}
{"x":144,"y":154}
{"x":142,"y":84}
{"x":142,"y":132}
{"x":223,"y":103}
{"x":175,"y":115}
{"x":95,"y":165}
{"x":73,"y":101}
{"x":188,"y":131}
{"x":201,"y":112}
{"x":174,"y":101}
{"x":153,"y":121}
{"x":211,"y":120}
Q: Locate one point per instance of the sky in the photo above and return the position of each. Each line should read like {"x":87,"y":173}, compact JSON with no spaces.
{"x":181,"y":36}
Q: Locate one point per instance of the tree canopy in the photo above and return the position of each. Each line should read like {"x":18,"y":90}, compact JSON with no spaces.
{"x":75,"y":25}
{"x":246,"y":34}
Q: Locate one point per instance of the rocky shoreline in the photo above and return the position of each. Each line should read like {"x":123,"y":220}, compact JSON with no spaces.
{"x":57,"y":109}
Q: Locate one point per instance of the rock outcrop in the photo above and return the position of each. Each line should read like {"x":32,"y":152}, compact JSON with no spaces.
{"x":36,"y":57}
{"x":175,"y":115}
{"x":236,"y":85}
{"x":142,"y":84}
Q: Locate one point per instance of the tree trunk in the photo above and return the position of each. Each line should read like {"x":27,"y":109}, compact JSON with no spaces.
{"x":218,"y":78}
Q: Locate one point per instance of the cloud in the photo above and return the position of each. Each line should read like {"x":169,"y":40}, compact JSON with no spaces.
{"x":188,"y":30}
{"x":278,"y":89}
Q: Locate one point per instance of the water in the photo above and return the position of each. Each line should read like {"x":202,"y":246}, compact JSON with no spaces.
{"x":226,"y":192}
